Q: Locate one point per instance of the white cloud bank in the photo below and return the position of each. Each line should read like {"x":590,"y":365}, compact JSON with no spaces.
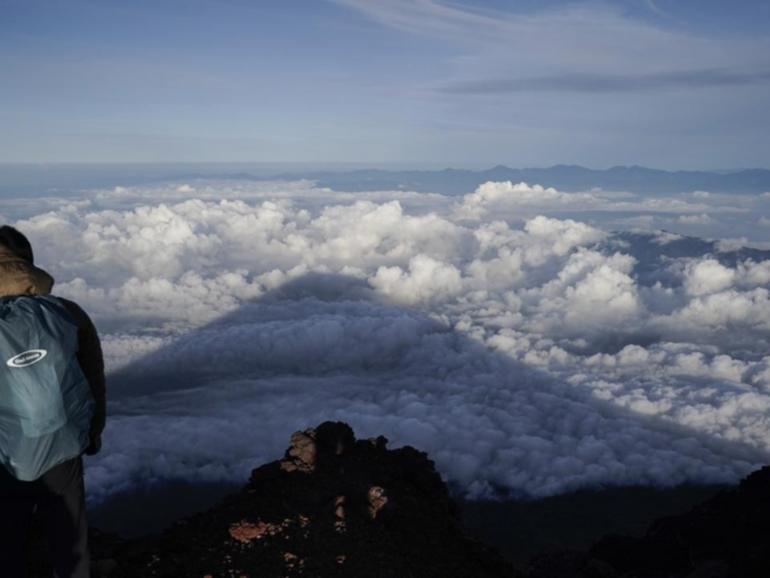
{"x":526,"y":353}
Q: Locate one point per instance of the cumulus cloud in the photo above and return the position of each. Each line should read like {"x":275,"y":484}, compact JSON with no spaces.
{"x":728,"y":309}
{"x":522,"y":200}
{"x":753,"y":274}
{"x":707,"y":276}
{"x":702,"y":219}
{"x":426,"y":280}
{"x":523,"y":349}
{"x":607,"y":292}
{"x":506,"y":193}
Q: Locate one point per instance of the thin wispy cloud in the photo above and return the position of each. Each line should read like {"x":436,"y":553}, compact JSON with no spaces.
{"x":585,"y":47}
{"x":424,"y":16}
{"x":596,"y":83}
{"x":655,"y":8}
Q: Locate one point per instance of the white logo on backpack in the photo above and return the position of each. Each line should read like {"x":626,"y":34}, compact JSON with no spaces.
{"x":26,"y":358}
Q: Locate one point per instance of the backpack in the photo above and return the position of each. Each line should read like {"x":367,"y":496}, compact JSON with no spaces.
{"x":46,"y":404}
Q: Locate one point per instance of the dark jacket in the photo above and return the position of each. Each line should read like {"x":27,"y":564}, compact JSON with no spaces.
{"x":20,"y":277}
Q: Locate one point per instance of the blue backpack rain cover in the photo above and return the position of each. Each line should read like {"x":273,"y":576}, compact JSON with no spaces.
{"x":46,"y":403}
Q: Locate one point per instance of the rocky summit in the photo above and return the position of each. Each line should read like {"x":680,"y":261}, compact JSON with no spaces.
{"x":348,"y":508}
{"x":333,"y":506}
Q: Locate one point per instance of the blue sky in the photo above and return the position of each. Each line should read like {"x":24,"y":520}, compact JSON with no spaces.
{"x":667,"y":83}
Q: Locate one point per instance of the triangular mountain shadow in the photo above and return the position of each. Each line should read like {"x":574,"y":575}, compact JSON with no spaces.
{"x":171,"y":367}
{"x":237,"y":348}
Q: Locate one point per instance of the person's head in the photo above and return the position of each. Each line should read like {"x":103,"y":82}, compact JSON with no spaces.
{"x":15,"y":242}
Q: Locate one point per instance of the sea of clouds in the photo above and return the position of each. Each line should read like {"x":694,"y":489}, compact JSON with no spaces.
{"x":531,"y":341}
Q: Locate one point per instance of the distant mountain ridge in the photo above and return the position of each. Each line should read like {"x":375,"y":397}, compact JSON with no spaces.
{"x":563,"y":177}
{"x":57,"y":179}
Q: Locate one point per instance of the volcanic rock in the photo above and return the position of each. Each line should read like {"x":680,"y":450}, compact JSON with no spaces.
{"x":333,"y":506}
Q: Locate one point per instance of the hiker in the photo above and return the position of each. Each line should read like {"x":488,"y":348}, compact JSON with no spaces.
{"x":57,"y":496}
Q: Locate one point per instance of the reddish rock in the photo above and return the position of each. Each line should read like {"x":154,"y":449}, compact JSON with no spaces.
{"x":301,"y":455}
{"x":377,"y":500}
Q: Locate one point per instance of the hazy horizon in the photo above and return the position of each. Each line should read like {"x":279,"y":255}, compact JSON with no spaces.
{"x":385,"y":165}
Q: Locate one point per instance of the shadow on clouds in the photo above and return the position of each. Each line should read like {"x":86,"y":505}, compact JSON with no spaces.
{"x":225,"y":397}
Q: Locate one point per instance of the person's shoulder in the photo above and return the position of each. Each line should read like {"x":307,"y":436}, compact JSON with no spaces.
{"x":69,"y":304}
{"x":75,"y":310}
